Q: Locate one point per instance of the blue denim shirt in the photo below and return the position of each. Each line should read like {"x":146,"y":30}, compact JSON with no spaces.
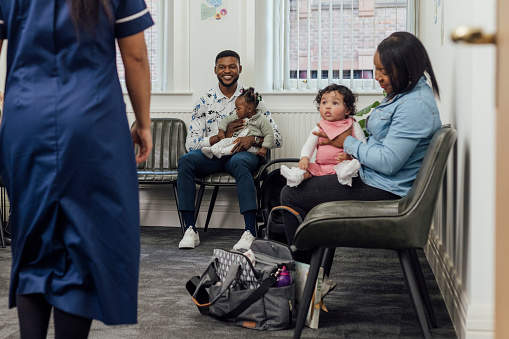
{"x":400,"y":131}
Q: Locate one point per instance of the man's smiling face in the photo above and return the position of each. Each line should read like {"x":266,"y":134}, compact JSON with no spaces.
{"x":227,"y":70}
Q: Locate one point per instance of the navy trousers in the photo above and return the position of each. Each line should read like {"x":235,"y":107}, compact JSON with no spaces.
{"x":240,"y":165}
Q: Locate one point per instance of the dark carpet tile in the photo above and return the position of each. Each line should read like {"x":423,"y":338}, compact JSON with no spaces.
{"x":370,"y":300}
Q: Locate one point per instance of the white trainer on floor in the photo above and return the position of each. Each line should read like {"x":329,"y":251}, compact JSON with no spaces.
{"x":191,"y":239}
{"x":245,"y":241}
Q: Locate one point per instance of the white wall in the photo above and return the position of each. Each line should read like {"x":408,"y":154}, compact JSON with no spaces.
{"x":205,"y":39}
{"x":461,"y":250}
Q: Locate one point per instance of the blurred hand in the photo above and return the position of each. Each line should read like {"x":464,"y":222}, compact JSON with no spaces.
{"x":142,"y":137}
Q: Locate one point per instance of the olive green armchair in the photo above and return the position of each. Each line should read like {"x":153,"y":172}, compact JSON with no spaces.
{"x":401,"y":225}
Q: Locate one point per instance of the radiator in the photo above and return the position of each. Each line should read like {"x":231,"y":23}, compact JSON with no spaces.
{"x":295,"y":128}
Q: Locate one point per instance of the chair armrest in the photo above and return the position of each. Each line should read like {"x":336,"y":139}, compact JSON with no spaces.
{"x":262,"y":168}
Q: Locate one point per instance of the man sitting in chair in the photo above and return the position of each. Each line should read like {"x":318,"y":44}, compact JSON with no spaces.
{"x":213,"y":106}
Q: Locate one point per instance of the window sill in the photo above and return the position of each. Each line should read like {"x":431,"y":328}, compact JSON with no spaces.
{"x":358,"y":91}
{"x":295,"y":101}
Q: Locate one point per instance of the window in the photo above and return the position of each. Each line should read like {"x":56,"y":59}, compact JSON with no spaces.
{"x":318,"y":42}
{"x":156,"y":46}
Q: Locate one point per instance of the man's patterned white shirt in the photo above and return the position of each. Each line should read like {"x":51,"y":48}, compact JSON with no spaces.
{"x":208,"y":112}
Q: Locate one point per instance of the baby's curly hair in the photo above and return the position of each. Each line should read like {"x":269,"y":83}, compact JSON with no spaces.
{"x":250,"y":96}
{"x":349,"y":98}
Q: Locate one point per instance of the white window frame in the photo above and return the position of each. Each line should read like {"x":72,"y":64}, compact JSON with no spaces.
{"x":173,"y":48}
{"x":275,"y":17}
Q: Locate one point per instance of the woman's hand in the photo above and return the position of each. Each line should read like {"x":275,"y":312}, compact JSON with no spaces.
{"x":143,"y":137}
{"x":304,"y":163}
{"x":342,"y":157}
{"x":337,"y":141}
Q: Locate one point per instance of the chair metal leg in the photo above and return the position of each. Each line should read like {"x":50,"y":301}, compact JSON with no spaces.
{"x":198,"y":202}
{"x":211,"y":207}
{"x":409,"y":273}
{"x":305,"y":301}
{"x":175,"y":193}
{"x":422,"y":286}
{"x":328,"y":257}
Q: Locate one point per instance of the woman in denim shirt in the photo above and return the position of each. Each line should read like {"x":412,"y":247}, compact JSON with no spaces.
{"x":400,"y":130}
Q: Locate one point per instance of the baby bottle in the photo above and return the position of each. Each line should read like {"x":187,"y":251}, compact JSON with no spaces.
{"x":284,"y":278}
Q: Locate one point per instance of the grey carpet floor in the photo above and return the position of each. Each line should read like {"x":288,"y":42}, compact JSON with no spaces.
{"x":370,"y":300}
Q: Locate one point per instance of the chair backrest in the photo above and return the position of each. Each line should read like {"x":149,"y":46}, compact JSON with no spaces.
{"x":420,"y":202}
{"x":169,"y":137}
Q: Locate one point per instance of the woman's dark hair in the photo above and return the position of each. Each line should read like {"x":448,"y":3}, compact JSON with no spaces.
{"x":349,"y":98}
{"x":85,"y":13}
{"x":227,"y":53}
{"x":405,"y":61}
{"x":250,"y":96}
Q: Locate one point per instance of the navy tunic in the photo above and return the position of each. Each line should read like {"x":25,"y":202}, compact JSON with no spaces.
{"x":67,"y":159}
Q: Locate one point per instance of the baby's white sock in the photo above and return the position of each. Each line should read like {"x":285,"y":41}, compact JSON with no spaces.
{"x":294,"y":176}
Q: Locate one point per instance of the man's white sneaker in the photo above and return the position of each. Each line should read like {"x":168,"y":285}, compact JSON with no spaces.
{"x":245,"y":241}
{"x":191,"y":239}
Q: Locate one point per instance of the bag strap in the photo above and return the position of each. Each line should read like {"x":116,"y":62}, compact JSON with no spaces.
{"x":232,"y":274}
{"x":208,"y":279}
{"x":257,"y":294}
{"x":286,"y":208}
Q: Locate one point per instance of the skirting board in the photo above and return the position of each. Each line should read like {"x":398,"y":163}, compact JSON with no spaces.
{"x":158,"y":208}
{"x":470,"y":321}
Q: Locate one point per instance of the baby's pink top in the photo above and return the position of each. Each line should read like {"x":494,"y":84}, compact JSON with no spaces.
{"x":326,"y":154}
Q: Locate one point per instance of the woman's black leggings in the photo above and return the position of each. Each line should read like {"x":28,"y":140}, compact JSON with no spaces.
{"x":317,"y":190}
{"x":34,"y":314}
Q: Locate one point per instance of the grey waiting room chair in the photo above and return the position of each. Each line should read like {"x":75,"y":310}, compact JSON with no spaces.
{"x":401,"y":225}
{"x":223,"y":179}
{"x":169,"y":137}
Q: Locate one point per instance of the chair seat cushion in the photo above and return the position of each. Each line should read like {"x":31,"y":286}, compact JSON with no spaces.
{"x":364,"y":224}
{"x":220,"y":179}
{"x":157,"y":176}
